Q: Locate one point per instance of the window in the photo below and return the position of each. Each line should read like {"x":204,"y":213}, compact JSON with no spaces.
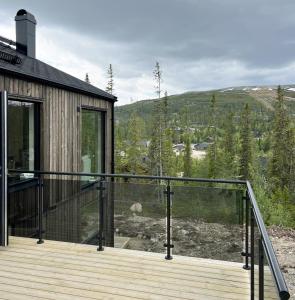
{"x":93,"y":134}
{"x":21,"y":126}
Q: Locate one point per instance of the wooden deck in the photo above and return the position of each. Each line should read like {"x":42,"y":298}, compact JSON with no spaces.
{"x":57,"y":270}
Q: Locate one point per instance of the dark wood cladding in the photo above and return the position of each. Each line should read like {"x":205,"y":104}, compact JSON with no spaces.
{"x":60,"y":122}
{"x":65,"y":205}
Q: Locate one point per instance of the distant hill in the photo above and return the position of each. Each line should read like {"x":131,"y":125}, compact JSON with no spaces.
{"x":260,"y":98}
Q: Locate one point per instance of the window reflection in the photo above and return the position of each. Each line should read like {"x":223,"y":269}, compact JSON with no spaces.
{"x":21,"y":138}
{"x":92,"y":141}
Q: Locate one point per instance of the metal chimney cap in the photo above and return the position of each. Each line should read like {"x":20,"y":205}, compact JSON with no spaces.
{"x":22,"y":14}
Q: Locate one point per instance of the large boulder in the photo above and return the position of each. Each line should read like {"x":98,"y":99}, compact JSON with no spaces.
{"x":136,"y":207}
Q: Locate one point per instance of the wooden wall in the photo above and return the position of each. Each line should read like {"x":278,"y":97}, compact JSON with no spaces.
{"x":60,"y":122}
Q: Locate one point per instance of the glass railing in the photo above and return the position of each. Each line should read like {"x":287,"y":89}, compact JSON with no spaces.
{"x":61,"y":208}
{"x":207,"y":221}
{"x":139,"y":215}
{"x":266,"y":278}
{"x":215,"y":219}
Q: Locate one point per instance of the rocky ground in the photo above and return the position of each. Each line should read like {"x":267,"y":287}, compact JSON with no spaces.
{"x":283,"y":241}
{"x":190,"y":237}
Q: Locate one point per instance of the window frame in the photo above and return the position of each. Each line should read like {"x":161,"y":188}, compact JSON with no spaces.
{"x":37,"y":126}
{"x":103,"y":129}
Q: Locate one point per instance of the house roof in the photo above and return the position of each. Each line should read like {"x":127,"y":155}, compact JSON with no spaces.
{"x":37,"y":70}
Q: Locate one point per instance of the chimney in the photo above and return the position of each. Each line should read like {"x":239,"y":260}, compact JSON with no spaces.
{"x":25,"y":33}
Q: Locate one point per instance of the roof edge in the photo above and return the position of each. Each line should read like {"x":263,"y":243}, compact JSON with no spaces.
{"x":111,"y":99}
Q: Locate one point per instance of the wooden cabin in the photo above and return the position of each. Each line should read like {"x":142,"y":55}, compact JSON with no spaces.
{"x":55,"y":122}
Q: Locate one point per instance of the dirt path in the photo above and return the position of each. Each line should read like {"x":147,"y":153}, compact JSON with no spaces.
{"x":283,"y":241}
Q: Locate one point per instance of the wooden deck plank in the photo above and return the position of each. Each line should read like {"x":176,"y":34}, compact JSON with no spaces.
{"x":56,"y":270}
{"x":176,"y":264}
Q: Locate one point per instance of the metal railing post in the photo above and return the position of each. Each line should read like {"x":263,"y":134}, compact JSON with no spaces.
{"x":246,"y":252}
{"x":101,"y":189}
{"x":261,"y":270}
{"x":40,"y":210}
{"x":252,"y":254}
{"x":168,"y":244}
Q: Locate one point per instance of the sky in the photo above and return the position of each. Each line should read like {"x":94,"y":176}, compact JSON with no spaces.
{"x":200,"y":44}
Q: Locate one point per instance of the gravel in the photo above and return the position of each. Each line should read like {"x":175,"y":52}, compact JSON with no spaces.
{"x":283,"y":241}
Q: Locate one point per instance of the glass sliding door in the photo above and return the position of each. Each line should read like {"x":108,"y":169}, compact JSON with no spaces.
{"x":93,"y":135}
{"x":22,"y":139}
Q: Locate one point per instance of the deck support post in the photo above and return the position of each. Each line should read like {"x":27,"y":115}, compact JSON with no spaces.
{"x":246,"y":251}
{"x":252,"y":283}
{"x":261,"y":270}
{"x":101,"y":188}
{"x":40,"y":210}
{"x":168,"y":243}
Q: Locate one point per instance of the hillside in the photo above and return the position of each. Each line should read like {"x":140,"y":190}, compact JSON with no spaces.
{"x":197,"y":103}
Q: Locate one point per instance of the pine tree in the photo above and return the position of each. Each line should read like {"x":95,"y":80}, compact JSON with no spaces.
{"x":87,"y":78}
{"x":246,"y":154}
{"x":110,"y":84}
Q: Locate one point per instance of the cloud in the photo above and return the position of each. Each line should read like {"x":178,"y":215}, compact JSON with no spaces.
{"x":199,"y":44}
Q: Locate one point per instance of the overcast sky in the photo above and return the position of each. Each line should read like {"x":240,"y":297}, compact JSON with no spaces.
{"x":200,"y":44}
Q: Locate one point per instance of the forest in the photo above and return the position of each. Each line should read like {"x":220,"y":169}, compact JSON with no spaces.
{"x":246,"y":138}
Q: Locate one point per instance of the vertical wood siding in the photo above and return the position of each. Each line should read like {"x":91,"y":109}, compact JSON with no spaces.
{"x":60,"y":123}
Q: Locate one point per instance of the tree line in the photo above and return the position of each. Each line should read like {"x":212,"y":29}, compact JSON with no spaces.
{"x":243,"y":144}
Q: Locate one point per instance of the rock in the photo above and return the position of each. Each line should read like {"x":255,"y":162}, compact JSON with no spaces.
{"x":136,"y":207}
{"x":183,"y":232}
{"x":154,"y":240}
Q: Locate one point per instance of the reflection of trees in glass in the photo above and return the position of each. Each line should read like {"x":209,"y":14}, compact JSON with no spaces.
{"x":21,"y":135}
{"x":92,"y":141}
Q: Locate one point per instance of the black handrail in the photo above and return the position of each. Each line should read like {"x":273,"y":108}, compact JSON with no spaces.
{"x":131,"y":176}
{"x":271,"y":257}
{"x":265,"y":241}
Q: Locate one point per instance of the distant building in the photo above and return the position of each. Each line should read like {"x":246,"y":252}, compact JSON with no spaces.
{"x":202,"y":146}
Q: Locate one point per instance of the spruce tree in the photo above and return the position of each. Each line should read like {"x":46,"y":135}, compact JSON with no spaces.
{"x":134,"y":151}
{"x":158,"y":127}
{"x":212,"y":151}
{"x":282,"y":169}
{"x":187,"y":158}
{"x":246,"y":154}
{"x":87,"y":78}
{"x":228,"y":147}
{"x":110,"y":84}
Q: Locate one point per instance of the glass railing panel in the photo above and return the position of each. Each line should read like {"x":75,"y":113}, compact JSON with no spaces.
{"x":70,"y":209}
{"x":207,"y":222}
{"x":22,"y":206}
{"x":140,"y":215}
{"x":263,"y":276}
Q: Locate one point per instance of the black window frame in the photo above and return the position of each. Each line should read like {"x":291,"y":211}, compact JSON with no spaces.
{"x":37,"y":127}
{"x":103,"y":128}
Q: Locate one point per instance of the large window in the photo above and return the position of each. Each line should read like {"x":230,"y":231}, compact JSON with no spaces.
{"x":92,"y":141}
{"x":21,"y":135}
